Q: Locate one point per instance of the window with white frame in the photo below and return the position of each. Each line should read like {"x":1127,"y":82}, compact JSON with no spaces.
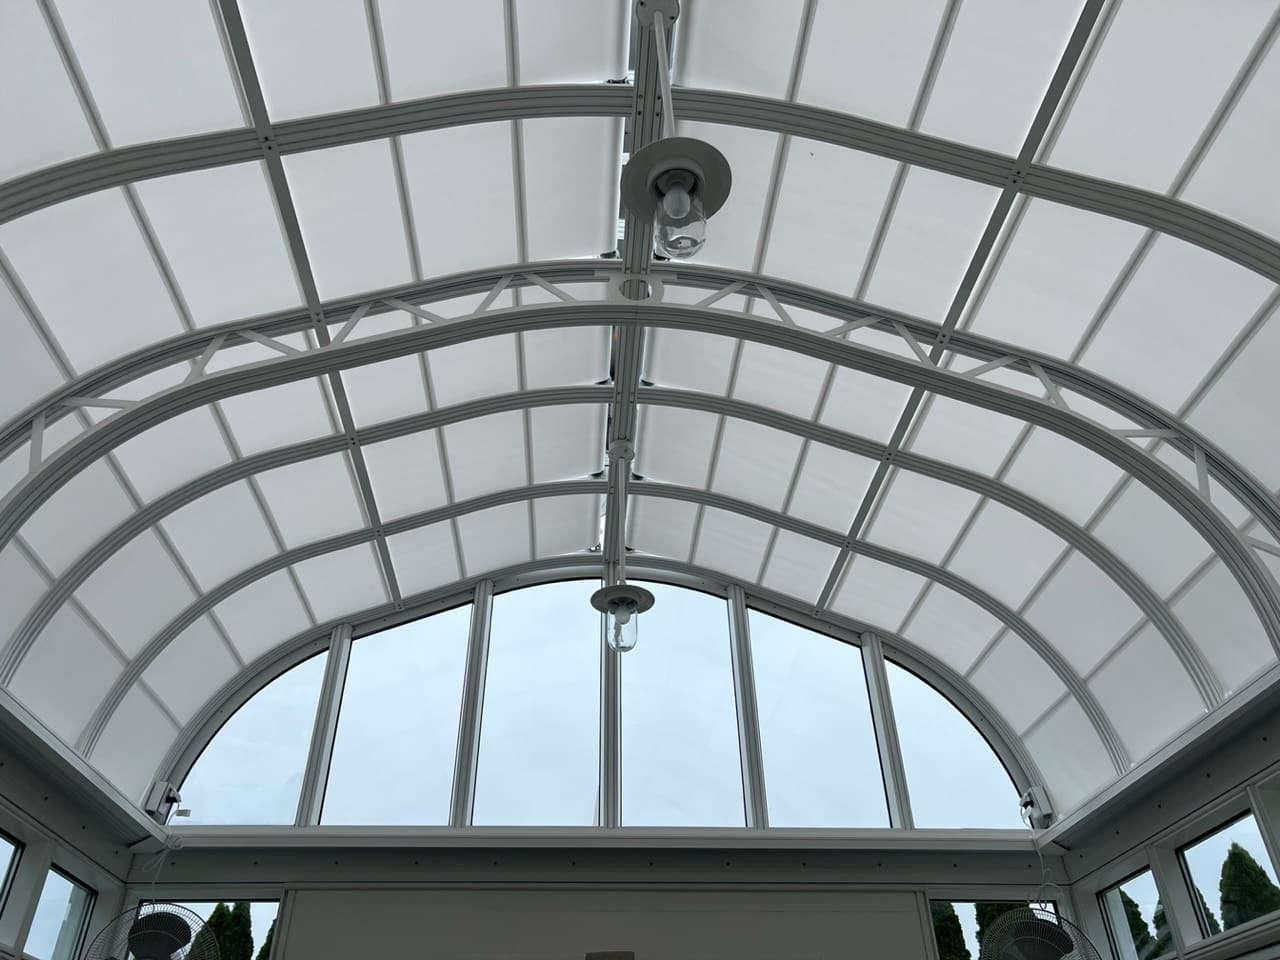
{"x":1136,"y":920}
{"x":1231,"y":875}
{"x":58,"y":926}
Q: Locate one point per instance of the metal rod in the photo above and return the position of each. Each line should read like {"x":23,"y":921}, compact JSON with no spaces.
{"x":756,"y":804}
{"x":664,"y":77}
{"x":311,"y":797}
{"x":462,"y":803}
{"x":886,"y":729}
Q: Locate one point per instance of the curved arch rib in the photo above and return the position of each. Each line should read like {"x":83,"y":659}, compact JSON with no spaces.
{"x":1224,"y":539}
{"x":115,"y":167}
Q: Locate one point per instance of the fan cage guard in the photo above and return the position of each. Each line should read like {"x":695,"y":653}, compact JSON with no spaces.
{"x":1034,"y":933}
{"x":154,"y":931}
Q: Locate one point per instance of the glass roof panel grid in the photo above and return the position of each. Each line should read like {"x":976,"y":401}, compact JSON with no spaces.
{"x":340,"y":583}
{"x":733,"y":235}
{"x":21,"y":585}
{"x":298,"y":411}
{"x":674,"y":445}
{"x":555,"y":358}
{"x":406,"y":475}
{"x":731,"y":544}
{"x":46,"y":124}
{"x":931,"y":236}
{"x":941,"y":750}
{"x":312,"y":499}
{"x":76,"y":515}
{"x":173,"y":452}
{"x":1017,"y":681}
{"x":219,"y":223}
{"x":869,"y":61}
{"x":830,"y":486}
{"x":798,"y":566}
{"x":1053,"y":276}
{"x":999,"y":59}
{"x":31,"y":371}
{"x":755,"y":463}
{"x":473,"y":369}
{"x":243,"y":777}
{"x":1146,"y":722}
{"x":135,"y":592}
{"x":747,"y":47}
{"x":220,"y":534}
{"x":876,"y":593}
{"x":864,"y":405}
{"x":190,"y":669}
{"x":821,"y":764}
{"x":968,"y":436}
{"x":920,"y":516}
{"x":1166,"y":308}
{"x":1072,"y":757}
{"x":1142,"y":107}
{"x":455,"y":228}
{"x":829,"y":201}
{"x":779,"y":379}
{"x":951,"y":627}
{"x":64,"y":699}
{"x":402,"y":694}
{"x":583,"y":41}
{"x":565,"y":525}
{"x":331,"y":69}
{"x":78,"y":256}
{"x":1235,"y":177}
{"x":566,"y":441}
{"x":1046,"y":458}
{"x":351,"y":217}
{"x":689,"y":359}
{"x":495,"y":538}
{"x":1006,"y":553}
{"x":264,"y":614}
{"x":539,"y":726}
{"x":424,"y":60}
{"x":133,"y":743}
{"x":680,"y":678}
{"x":1240,"y":408}
{"x":486,"y":454}
{"x":1082,"y":612}
{"x":1152,"y":538}
{"x":425,"y":557}
{"x":1223,"y":625}
{"x":583,"y":152}
{"x":661,"y":528}
{"x":378,"y":392}
{"x":158,"y":73}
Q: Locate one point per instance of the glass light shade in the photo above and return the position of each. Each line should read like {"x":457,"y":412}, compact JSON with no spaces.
{"x":679,"y":224}
{"x":622,"y":624}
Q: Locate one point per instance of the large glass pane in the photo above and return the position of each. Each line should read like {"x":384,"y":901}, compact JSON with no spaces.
{"x":58,"y":925}
{"x":959,"y":926}
{"x":1232,"y":862}
{"x":680,"y":762}
{"x":240,"y":921}
{"x":1136,"y":920}
{"x":821,"y":765}
{"x":539,"y":735}
{"x":954,"y":777}
{"x":251,"y":771}
{"x":397,"y":730}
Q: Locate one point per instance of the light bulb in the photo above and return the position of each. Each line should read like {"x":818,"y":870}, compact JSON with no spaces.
{"x":622,"y":624}
{"x":679,"y":224}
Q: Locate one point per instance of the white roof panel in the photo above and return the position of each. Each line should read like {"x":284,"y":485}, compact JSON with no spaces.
{"x":951,"y":627}
{"x":45,"y":124}
{"x":473,"y":369}
{"x":755,"y":463}
{"x":1080,"y":764}
{"x":173,"y":452}
{"x":31,"y":371}
{"x":674,"y":445}
{"x":968,"y":436}
{"x":798,"y":567}
{"x":1046,"y":458}
{"x":584,"y":152}
{"x":486,"y":454}
{"x":566,"y":441}
{"x":920,"y":516}
{"x":133,"y":744}
{"x":278,"y":416}
{"x":389,"y":390}
{"x":217,"y":224}
{"x":425,"y":61}
{"x":495,"y":538}
{"x":342,"y":582}
{"x":876,"y":593}
{"x":1005,"y":553}
{"x":746,"y":46}
{"x":555,"y":358}
{"x":21,"y":585}
{"x":689,"y":360}
{"x":192,"y":668}
{"x":220,"y":534}
{"x":786,"y":381}
{"x":830,"y":486}
{"x":864,"y":405}
{"x":157,"y":73}
{"x":564,"y":525}
{"x":731,"y":544}
{"x":405,"y":474}
{"x":312,"y":499}
{"x":424,"y":558}
{"x":265,"y":613}
{"x":1224,"y":626}
{"x":661,"y":528}
{"x":1017,"y":681}
{"x":582,"y":41}
{"x":76,"y":515}
{"x":1082,"y":612}
{"x":1152,"y":538}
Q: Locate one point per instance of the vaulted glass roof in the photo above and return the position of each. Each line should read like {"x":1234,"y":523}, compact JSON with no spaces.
{"x":313,"y":316}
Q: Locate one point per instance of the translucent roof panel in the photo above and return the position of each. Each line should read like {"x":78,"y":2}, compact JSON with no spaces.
{"x":136,"y":734}
{"x":244,"y":777}
{"x":951,"y":627}
{"x":965,"y":435}
{"x":920,"y":516}
{"x":34,"y":370}
{"x":1081,"y":765}
{"x":584,"y":42}
{"x":264,"y":613}
{"x":191,"y":669}
{"x":876,"y":593}
{"x":417,"y":667}
{"x":941,"y":748}
{"x":798,"y":566}
{"x":755,"y":463}
{"x":821,"y":764}
{"x":747,"y":47}
{"x":581,"y":151}
{"x":678,"y":679}
{"x":1017,"y":681}
{"x":425,"y":61}
{"x":1220,"y":620}
{"x":1082,"y":612}
{"x":1005,"y":553}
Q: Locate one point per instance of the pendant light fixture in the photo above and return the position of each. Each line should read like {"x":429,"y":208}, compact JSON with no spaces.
{"x":619,"y":601}
{"x":678,"y":182}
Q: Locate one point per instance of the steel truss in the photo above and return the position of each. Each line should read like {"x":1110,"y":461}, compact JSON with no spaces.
{"x":206,"y":722}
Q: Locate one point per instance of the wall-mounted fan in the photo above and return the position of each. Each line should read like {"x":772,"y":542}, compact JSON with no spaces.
{"x":1033,"y":933}
{"x":154,"y":931}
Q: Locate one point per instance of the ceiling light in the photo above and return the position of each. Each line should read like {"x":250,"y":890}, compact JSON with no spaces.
{"x":622,"y":605}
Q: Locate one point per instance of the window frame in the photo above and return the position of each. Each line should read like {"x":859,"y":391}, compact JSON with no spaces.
{"x":86,"y":914}
{"x":1244,"y":809}
{"x":1112,"y":923}
{"x":11,"y":869}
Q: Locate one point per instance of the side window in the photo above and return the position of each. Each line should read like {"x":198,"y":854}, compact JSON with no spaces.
{"x":248,"y":924}
{"x":959,"y":925}
{"x":61,"y":913}
{"x":1231,"y":876}
{"x":1136,"y":920}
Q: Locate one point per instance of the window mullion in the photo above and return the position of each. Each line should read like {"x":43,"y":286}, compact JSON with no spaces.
{"x":892,"y":769}
{"x":320,"y":752}
{"x":1263,"y":802}
{"x":750,"y":752}
{"x":465,"y":760}
{"x":609,"y":794}
{"x":34,"y":860}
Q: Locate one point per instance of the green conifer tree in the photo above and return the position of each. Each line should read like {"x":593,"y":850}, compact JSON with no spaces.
{"x":1245,"y":889}
{"x":1164,"y":939}
{"x":987,"y":914}
{"x":264,"y":952}
{"x":1138,"y":929}
{"x":215,"y":929}
{"x":946,"y":930}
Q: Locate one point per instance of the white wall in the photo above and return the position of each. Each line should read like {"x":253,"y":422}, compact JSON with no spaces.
{"x":398,"y":924}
